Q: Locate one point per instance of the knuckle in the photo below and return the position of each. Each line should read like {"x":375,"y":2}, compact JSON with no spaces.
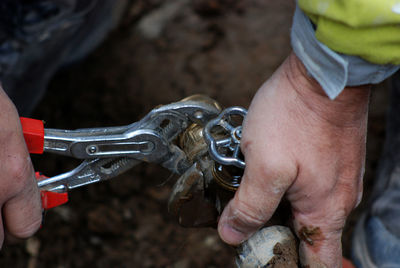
{"x":317,"y":231}
{"x":350,"y":195}
{"x":19,"y":171}
{"x":245,"y":216}
{"x":330,"y":217}
{"x":338,"y":219}
{"x":335,"y":216}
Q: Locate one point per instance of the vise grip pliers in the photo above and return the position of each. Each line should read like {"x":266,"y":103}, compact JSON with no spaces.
{"x":109,"y":151}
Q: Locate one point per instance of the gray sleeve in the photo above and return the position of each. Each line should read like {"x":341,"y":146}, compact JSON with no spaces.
{"x":332,"y":70}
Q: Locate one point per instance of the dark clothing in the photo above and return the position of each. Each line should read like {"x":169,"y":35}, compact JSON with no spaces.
{"x":37,"y":37}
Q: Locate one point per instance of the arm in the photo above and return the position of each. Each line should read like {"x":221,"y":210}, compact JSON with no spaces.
{"x":19,"y":195}
{"x":301,"y":145}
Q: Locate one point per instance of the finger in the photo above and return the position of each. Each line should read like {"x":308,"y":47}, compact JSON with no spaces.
{"x":319,"y":219}
{"x":22,"y":213}
{"x":19,"y":195}
{"x":255,"y":201}
{"x":320,"y":235}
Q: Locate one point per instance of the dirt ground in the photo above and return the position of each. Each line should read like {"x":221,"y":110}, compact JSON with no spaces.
{"x":224,"y":49}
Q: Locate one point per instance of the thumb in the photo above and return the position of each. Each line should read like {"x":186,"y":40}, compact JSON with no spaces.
{"x":254,"y":203}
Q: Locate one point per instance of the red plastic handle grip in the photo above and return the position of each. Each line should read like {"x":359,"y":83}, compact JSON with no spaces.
{"x":51,"y":199}
{"x":33,"y":131}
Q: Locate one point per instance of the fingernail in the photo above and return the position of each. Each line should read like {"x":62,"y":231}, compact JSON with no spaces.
{"x":232,"y":235}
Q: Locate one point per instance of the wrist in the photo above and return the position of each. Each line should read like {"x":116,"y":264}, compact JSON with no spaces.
{"x":349,"y":107}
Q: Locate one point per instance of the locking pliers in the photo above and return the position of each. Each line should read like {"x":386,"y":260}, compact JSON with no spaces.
{"x":109,"y":151}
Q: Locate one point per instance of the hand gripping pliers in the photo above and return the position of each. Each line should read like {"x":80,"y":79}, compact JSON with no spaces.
{"x":109,"y":151}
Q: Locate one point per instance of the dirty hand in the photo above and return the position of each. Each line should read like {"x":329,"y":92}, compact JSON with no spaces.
{"x":300,"y":145}
{"x":19,"y":194}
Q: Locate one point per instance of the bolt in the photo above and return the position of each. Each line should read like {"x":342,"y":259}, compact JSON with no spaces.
{"x":238,"y":133}
{"x":92,"y":149}
{"x":198,"y":115}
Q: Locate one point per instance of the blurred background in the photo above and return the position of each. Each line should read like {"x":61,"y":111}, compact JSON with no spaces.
{"x":161,"y":52}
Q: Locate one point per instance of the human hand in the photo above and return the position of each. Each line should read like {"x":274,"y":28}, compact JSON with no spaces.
{"x":19,"y":195}
{"x":300,"y":145}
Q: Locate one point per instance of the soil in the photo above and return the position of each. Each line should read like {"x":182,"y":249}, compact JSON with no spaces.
{"x":284,"y":258}
{"x":223,"y":49}
{"x":310,"y":234}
